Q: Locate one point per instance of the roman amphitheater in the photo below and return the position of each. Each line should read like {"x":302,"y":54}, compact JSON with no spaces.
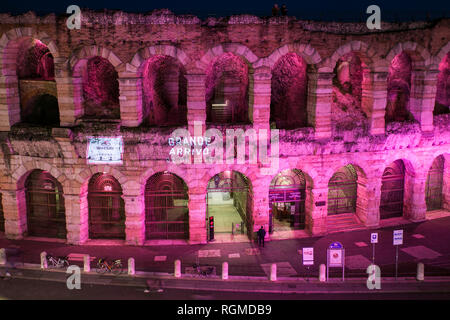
{"x":363,"y":119}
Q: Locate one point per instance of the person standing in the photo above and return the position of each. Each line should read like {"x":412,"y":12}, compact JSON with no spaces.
{"x":283,"y":10}
{"x":261,"y":235}
{"x":275,"y":10}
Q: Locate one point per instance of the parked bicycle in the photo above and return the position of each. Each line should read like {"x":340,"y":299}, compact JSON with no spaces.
{"x":57,"y":262}
{"x":202,"y":270}
{"x":114,"y":266}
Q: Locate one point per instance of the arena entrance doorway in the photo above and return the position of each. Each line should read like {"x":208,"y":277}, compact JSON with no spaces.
{"x":287,"y":201}
{"x":229,"y":200}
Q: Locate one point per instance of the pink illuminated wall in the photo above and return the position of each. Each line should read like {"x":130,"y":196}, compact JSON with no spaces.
{"x":399,"y":86}
{"x":289,"y":92}
{"x":101,"y":89}
{"x":227,"y":79}
{"x":164,"y":90}
{"x":443,"y":87}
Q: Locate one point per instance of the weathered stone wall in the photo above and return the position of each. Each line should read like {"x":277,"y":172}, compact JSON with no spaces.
{"x":127,"y":41}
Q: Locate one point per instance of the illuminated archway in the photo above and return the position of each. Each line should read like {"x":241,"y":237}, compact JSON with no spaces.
{"x":434,"y":184}
{"x":45,"y":206}
{"x":166,"y":207}
{"x":106,"y":208}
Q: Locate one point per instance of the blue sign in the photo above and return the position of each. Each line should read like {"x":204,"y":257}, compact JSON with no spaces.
{"x":336,"y":245}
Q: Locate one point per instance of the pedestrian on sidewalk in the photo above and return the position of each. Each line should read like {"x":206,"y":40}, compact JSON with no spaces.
{"x":261,"y":235}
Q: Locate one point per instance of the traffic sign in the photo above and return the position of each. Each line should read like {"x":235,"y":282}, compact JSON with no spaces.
{"x":374,"y":238}
{"x":398,"y":237}
{"x":336,"y":245}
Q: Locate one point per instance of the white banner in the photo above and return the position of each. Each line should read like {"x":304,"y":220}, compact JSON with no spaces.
{"x":106,"y":150}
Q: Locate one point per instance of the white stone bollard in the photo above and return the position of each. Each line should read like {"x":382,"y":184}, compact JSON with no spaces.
{"x":131,"y":267}
{"x":177,"y":272}
{"x":322,"y":276}
{"x":2,"y":256}
{"x":44,"y":264}
{"x":225,"y":271}
{"x":87,"y":263}
{"x":420,"y":271}
{"x":273,"y":272}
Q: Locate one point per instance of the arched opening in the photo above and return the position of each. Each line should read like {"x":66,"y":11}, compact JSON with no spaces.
{"x":2,"y":215}
{"x":346,"y":107}
{"x":100,"y":89}
{"x":166,"y":207}
{"x":342,"y":191}
{"x":434,"y":184}
{"x":392,"y":190}
{"x":45,"y":206}
{"x":230,"y":202}
{"x":165,"y":91}
{"x":289,"y":92}
{"x":227,"y":85}
{"x":37,"y":86}
{"x":442,"y":101}
{"x":399,"y":86}
{"x":42,"y":110}
{"x":106,"y":208}
{"x":287,"y":195}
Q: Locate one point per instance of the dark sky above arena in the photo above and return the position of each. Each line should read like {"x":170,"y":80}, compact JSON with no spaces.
{"x":328,"y":10}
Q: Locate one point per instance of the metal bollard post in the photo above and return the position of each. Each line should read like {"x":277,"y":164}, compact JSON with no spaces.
{"x":2,"y":256}
{"x":131,"y":267}
{"x":420,"y":271}
{"x":87,"y":263}
{"x":44,"y":264}
{"x":273,"y":272}
{"x":322,"y":276}
{"x":225,"y":271}
{"x":177,"y":272}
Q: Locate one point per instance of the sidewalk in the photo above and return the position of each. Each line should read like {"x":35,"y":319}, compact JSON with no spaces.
{"x":152,"y":281}
{"x":426,"y":242}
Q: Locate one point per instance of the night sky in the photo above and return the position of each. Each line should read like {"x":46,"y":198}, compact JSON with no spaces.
{"x":354,"y":10}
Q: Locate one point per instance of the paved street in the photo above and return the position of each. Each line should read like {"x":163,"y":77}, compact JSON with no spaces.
{"x":49,"y":290}
{"x":426,"y":242}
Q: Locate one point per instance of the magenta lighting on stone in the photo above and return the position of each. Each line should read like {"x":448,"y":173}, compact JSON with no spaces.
{"x":362,"y":118}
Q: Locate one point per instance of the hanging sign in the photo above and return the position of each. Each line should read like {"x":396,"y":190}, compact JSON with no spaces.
{"x":107,"y":150}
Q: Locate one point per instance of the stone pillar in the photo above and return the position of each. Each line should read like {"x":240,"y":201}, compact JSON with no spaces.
{"x":197,"y":215}
{"x":371,"y":204}
{"x":196,"y":103}
{"x":70,"y":104}
{"x":130,"y":99}
{"x":9,"y":100}
{"x":415,"y":207}
{"x":423,"y":94}
{"x":378,"y":100}
{"x":316,"y":213}
{"x":259,"y":98}
{"x":74,"y":220}
{"x":135,"y":218}
{"x":446,"y":185}
{"x":84,"y":216}
{"x":320,"y":90}
{"x":261,"y":204}
{"x":15,"y":215}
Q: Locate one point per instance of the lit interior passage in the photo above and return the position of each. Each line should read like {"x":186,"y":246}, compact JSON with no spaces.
{"x":221,"y":207}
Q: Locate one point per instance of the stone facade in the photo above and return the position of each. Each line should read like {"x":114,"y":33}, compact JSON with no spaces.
{"x":127,"y":41}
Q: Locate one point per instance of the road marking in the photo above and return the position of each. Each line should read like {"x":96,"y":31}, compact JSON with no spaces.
{"x":208,"y":253}
{"x":361,"y":244}
{"x":418,"y":236}
{"x":284,"y":269}
{"x":421,"y":252}
{"x":234,"y":255}
{"x":160,"y":258}
{"x":252,"y":251}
